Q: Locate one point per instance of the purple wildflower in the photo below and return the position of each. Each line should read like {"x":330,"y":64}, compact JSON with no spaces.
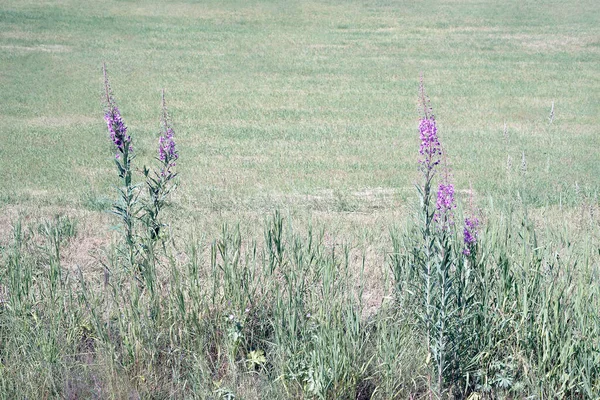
{"x":166,"y":146}
{"x":167,"y":151}
{"x":116,"y":127}
{"x":445,"y":205}
{"x":470,"y":231}
{"x":470,"y":234}
{"x":430,"y":148}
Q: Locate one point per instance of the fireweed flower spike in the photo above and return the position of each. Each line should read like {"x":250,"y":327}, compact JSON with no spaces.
{"x":167,"y":151}
{"x":445,"y":202}
{"x":430,"y":148}
{"x":470,"y":234}
{"x":166,"y":146}
{"x":430,"y":151}
{"x":116,"y":127}
{"x":445,"y":205}
{"x":470,"y":231}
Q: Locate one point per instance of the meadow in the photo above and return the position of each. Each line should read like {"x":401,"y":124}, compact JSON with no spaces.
{"x":295,"y":259}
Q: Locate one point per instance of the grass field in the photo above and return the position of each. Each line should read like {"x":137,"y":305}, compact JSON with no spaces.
{"x":309,"y":108}
{"x":275,"y":101}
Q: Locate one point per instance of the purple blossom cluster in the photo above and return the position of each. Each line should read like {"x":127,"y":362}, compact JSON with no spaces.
{"x":445,"y":205}
{"x":166,"y":147}
{"x":167,"y":151}
{"x":470,"y":234}
{"x":431,"y":148}
{"x":117,"y":128}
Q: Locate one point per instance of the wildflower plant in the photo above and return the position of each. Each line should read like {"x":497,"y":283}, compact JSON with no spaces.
{"x":431,"y":274}
{"x":132,"y":207}
{"x":160,"y":183}
{"x":434,"y":256}
{"x":126,"y":207}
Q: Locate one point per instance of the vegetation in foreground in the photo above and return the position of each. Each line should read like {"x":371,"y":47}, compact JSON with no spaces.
{"x":480,"y":311}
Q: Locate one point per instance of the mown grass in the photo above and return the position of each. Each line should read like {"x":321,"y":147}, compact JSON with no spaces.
{"x":274,"y":99}
{"x":308,"y":108}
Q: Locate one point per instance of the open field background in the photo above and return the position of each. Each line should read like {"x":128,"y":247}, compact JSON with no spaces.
{"x":310,"y":104}
{"x":305,"y":107}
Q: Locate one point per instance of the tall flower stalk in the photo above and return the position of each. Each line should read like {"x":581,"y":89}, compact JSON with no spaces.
{"x":125,"y":207}
{"x":162,"y":181}
{"x":430,"y":150}
{"x":435,"y":257}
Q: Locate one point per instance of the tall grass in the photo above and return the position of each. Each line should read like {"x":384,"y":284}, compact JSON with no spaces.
{"x":282,"y":317}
